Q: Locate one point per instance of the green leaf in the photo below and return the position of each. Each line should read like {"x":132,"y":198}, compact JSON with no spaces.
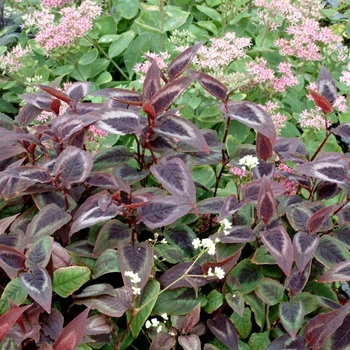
{"x":248,"y":275}
{"x":330,"y":252}
{"x":128,"y":8}
{"x":89,"y":57}
{"x":236,"y":302}
{"x":44,"y":72}
{"x":270,"y":291}
{"x":104,"y":78}
{"x":107,"y":262}
{"x":178,"y":301}
{"x":258,"y":307}
{"x":263,"y":256}
{"x":175,"y":18}
{"x":182,"y":236}
{"x":209,"y":26}
{"x":310,"y":301}
{"x":292,"y":316}
{"x":14,"y":292}
{"x":63,"y":70}
{"x":321,"y":289}
{"x":243,"y":324}
{"x":259,"y":341}
{"x":108,"y":38}
{"x":120,"y":44}
{"x":98,"y":66}
{"x":265,"y":39}
{"x":215,"y":300}
{"x":204,"y":174}
{"x":210,"y":12}
{"x":107,"y":25}
{"x":148,"y":292}
{"x":66,"y":280}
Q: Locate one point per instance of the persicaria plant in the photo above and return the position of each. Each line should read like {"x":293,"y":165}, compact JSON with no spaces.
{"x":134,"y":248}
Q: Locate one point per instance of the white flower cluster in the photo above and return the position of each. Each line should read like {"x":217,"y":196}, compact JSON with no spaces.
{"x":226,"y":225}
{"x":155,"y":323}
{"x":248,"y":161}
{"x":206,"y":243}
{"x":135,"y":279}
{"x":218,"y":272}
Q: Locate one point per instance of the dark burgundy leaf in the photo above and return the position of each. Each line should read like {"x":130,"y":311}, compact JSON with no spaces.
{"x":296,"y":282}
{"x":152,"y":81}
{"x":163,"y":210}
{"x":27,"y":114}
{"x":175,"y":176}
{"x":326,"y":85}
{"x":179,"y":270}
{"x":330,"y":252}
{"x":56,"y":93}
{"x":267,"y":169}
{"x":29,"y":172}
{"x":128,"y":174}
{"x":212,"y":85}
{"x":90,"y":213}
{"x":263,"y":147}
{"x":304,"y":245}
{"x":224,"y":330}
{"x":253,"y":116}
{"x":135,"y":257}
{"x":251,"y":190}
{"x":73,"y":333}
{"x":287,"y":342}
{"x":111,"y":157}
{"x":340,"y":339}
{"x":163,"y":341}
{"x":98,"y":324}
{"x":119,"y":121}
{"x":190,"y":342}
{"x":39,"y":286}
{"x":342,"y":130}
{"x":77,"y":91}
{"x":298,"y":218}
{"x":321,"y":101}
{"x":214,"y":157}
{"x":39,"y":254}
{"x":192,"y":319}
{"x":342,"y":234}
{"x":339,"y":272}
{"x":266,"y":201}
{"x":6,"y":222}
{"x":55,"y":106}
{"x":52,"y":323}
{"x":326,"y":190}
{"x":106,"y":180}
{"x":15,"y":239}
{"x":298,"y":179}
{"x":319,"y":218}
{"x":210,"y":205}
{"x":182,"y":61}
{"x":11,"y":260}
{"x":76,"y":125}
{"x":286,"y":145}
{"x":237,"y":234}
{"x":322,"y":326}
{"x":182,"y":129}
{"x":229,"y":207}
{"x":38,"y":100}
{"x":280,"y":246}
{"x":122,"y":95}
{"x":167,"y":94}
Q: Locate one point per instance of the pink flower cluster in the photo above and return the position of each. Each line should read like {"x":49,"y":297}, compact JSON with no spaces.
{"x":222,"y":51}
{"x":55,"y":3}
{"x":73,"y":24}
{"x":278,"y":119}
{"x":345,"y":77}
{"x":261,"y":74}
{"x":290,"y":186}
{"x":238,"y":172}
{"x":313,"y":119}
{"x":12,"y":60}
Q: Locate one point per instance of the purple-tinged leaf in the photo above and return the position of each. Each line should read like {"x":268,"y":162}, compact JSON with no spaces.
{"x":326,"y":190}
{"x":39,"y":253}
{"x":5,"y":223}
{"x":270,"y":291}
{"x":152,"y":81}
{"x":98,"y":324}
{"x":182,"y":61}
{"x":326,"y":85}
{"x":182,"y":129}
{"x":122,"y":95}
{"x":96,"y":290}
{"x":192,"y":319}
{"x":263,"y":147}
{"x":60,"y":256}
{"x":291,"y":314}
{"x":229,"y":207}
{"x":175,"y":177}
{"x":107,"y":262}
{"x":322,"y":326}
{"x":214,"y":157}
{"x":286,"y":342}
{"x":319,"y":218}
{"x":73,"y":165}
{"x":81,"y":247}
{"x":128,"y":174}
{"x":46,"y":222}
{"x":163,"y":210}
{"x":190,"y":342}
{"x":38,"y":100}
{"x":51,"y":324}
{"x":163,"y":341}
{"x":8,"y":319}
{"x":330,"y":252}
{"x":181,"y":236}
{"x":119,"y":121}
{"x":304,"y":246}
{"x":44,"y":199}
{"x":251,"y":190}
{"x":339,"y":272}
{"x":73,"y":333}
{"x":253,"y":116}
{"x":266,"y":201}
{"x":38,"y":285}
{"x":11,"y":260}
{"x":286,"y":145}
{"x":15,"y":239}
{"x":77,"y":91}
{"x":237,"y":234}
{"x":267,"y":169}
{"x":110,"y":235}
{"x":137,"y":258}
{"x":210,"y":205}
{"x":106,"y":180}
{"x":280,"y":246}
{"x":179,"y":270}
{"x":340,"y":339}
{"x":56,"y":93}
{"x":6,"y":152}
{"x":29,"y":172}
{"x":296,"y":282}
{"x":27,"y":114}
{"x":90,"y":213}
{"x":298,"y":218}
{"x":341,"y":234}
{"x":224,"y":330}
{"x":212,"y":85}
{"x":342,"y":130}
{"x":75,"y":124}
{"x":321,"y":101}
{"x":167,"y":94}
{"x":298,"y":179}
{"x":111,"y":157}
{"x":288,"y":203}
{"x":114,"y":306}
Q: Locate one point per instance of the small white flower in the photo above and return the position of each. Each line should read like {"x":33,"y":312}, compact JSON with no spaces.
{"x":159,"y":329}
{"x":208,"y":243}
{"x":155,"y":322}
{"x":148,"y":324}
{"x":217,"y":240}
{"x":249,"y":161}
{"x":210,"y":272}
{"x":234,"y":295}
{"x":219,"y":272}
{"x":227,"y":226}
{"x":165,"y":316}
{"x":164,"y":241}
{"x":136,"y":290}
{"x":196,"y":243}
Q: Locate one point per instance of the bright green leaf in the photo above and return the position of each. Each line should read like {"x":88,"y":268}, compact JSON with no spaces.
{"x":210,"y":12}
{"x":89,"y":57}
{"x":128,"y":8}
{"x":14,"y":292}
{"x":259,"y":341}
{"x":120,"y":44}
{"x":215,"y":300}
{"x":243,"y":324}
{"x":107,"y":262}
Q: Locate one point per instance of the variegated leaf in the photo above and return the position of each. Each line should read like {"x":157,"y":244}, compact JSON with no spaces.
{"x":77,"y":91}
{"x":266,"y":201}
{"x":339,"y":272}
{"x":39,"y":253}
{"x":296,"y":281}
{"x":292,"y":316}
{"x":11,"y":260}
{"x":304,"y":247}
{"x":29,"y":172}
{"x":224,"y":330}
{"x":326,"y":85}
{"x":152,"y":81}
{"x":122,"y":95}
{"x":229,"y":207}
